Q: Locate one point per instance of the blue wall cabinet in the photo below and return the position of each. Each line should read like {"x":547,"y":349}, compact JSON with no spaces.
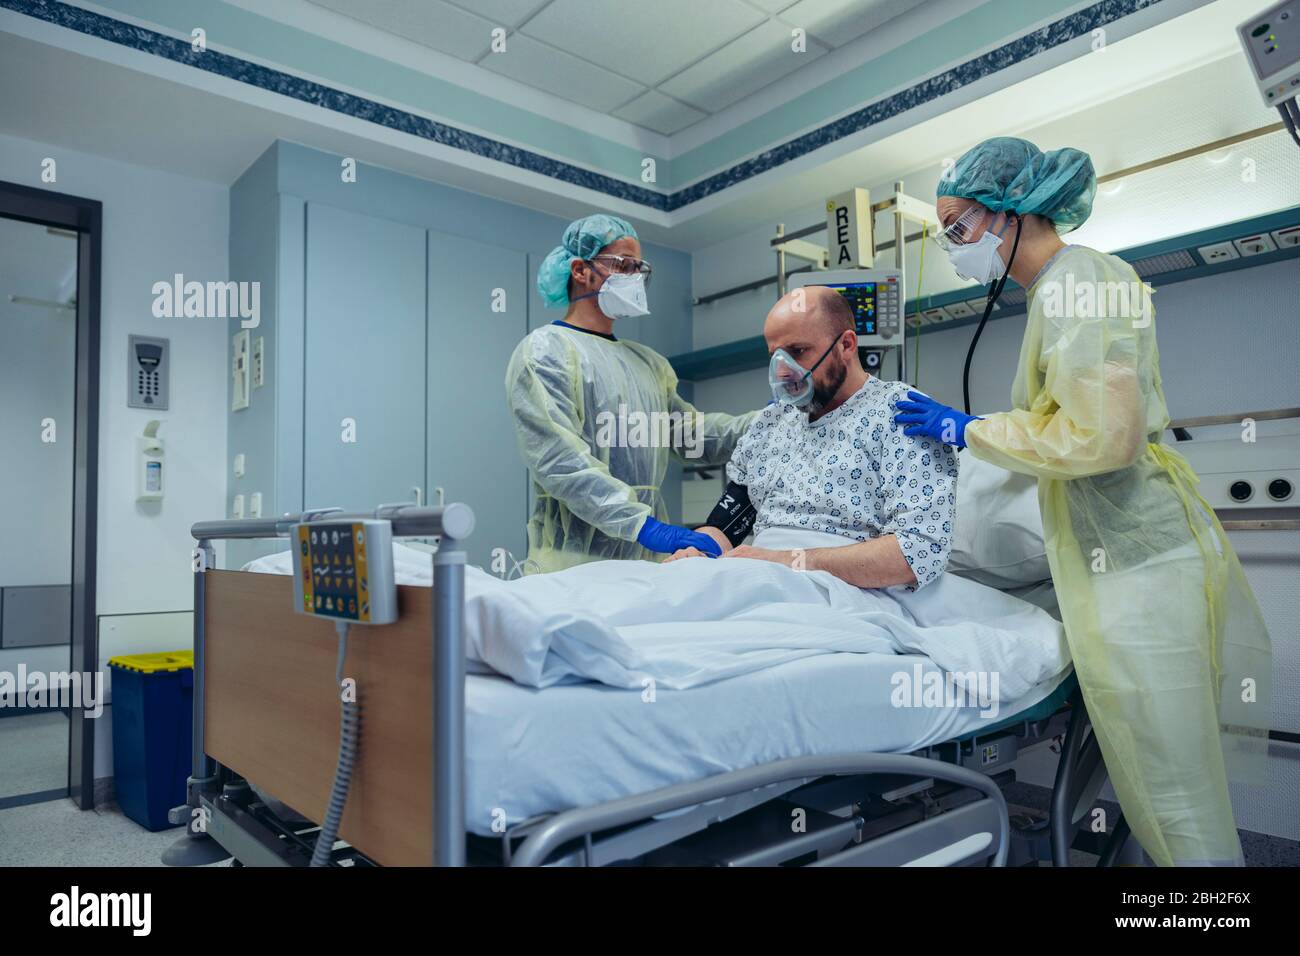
{"x":478,"y":312}
{"x":364,"y":368}
{"x":395,"y":302}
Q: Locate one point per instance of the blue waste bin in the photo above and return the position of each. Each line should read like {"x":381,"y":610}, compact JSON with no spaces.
{"x":153,"y":714}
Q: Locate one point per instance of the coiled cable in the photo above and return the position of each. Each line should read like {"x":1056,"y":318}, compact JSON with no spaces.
{"x":349,"y":745}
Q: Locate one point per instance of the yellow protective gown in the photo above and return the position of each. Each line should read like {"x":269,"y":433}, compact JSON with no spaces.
{"x":1168,"y":642}
{"x":597,"y":420}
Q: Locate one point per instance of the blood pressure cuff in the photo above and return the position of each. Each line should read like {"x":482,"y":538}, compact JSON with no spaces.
{"x":733,"y":515}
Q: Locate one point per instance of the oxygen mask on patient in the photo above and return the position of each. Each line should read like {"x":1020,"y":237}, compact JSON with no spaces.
{"x":791,"y":383}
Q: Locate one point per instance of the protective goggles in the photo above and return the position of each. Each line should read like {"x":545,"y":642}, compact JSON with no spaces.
{"x":961,"y":230}
{"x":624,"y":265}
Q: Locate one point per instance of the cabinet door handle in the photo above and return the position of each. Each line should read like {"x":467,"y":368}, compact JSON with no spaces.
{"x":419,"y":494}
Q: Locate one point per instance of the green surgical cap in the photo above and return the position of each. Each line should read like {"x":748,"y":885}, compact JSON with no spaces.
{"x":583,"y":239}
{"x":1013,"y":175}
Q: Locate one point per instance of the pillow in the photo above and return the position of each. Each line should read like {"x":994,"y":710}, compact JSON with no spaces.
{"x":997,"y":538}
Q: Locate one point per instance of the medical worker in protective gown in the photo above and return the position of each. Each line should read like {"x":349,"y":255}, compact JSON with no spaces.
{"x":1169,"y":646}
{"x":598,"y":416}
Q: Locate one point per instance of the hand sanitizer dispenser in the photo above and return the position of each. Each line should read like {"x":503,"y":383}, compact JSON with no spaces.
{"x":149,"y":464}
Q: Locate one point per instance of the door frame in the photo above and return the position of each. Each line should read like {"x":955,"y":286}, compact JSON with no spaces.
{"x":85,"y":217}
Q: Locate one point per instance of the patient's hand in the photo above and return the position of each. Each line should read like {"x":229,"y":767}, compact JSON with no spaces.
{"x":688,"y":553}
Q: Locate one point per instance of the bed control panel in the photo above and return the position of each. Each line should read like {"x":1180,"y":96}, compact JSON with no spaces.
{"x":344,"y":570}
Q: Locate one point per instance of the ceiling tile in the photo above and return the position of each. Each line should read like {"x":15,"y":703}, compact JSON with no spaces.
{"x":506,"y":13}
{"x":663,"y":114}
{"x":557,"y":72}
{"x":431,"y":23}
{"x":750,"y":63}
{"x":838,"y":21}
{"x":648,"y":42}
{"x":771,"y":6}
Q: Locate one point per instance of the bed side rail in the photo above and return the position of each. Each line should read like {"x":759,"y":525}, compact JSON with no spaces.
{"x":584,"y":821}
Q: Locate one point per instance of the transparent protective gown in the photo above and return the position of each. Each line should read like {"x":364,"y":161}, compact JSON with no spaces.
{"x":597,"y":421}
{"x":1168,"y":642}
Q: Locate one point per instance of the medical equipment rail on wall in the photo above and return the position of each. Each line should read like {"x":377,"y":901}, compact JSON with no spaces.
{"x":453,"y":523}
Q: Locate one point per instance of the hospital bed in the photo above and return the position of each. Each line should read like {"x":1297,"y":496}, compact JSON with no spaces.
{"x":265,"y":714}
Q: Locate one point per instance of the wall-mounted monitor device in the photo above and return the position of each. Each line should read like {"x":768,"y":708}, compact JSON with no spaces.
{"x":1271,"y":40}
{"x":876,"y":296}
{"x":148,"y":367}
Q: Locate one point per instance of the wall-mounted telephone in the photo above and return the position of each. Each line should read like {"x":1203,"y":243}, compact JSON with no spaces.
{"x":148,"y":367}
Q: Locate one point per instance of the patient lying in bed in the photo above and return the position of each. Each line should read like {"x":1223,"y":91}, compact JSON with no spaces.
{"x":838,"y":465}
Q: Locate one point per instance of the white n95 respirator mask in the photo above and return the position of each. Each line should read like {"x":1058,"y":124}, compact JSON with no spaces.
{"x":979,"y":260}
{"x":623,"y":296}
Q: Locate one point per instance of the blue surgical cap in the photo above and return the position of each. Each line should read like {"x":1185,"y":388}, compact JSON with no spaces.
{"x":583,"y":239}
{"x":1013,"y":175}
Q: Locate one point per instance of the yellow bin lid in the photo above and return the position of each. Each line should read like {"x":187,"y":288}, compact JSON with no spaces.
{"x":152,"y":663}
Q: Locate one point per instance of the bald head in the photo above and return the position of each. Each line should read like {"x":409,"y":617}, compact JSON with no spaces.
{"x":814,"y":311}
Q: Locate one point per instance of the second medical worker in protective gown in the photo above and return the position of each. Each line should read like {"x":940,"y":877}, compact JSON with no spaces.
{"x":1167,"y":640}
{"x":597,"y":416}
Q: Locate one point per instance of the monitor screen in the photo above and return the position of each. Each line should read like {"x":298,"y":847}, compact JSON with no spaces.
{"x":862,"y":297}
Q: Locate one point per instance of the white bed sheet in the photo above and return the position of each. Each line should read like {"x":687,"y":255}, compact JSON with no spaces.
{"x":532,"y":751}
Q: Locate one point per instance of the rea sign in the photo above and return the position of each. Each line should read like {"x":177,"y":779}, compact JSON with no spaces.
{"x":848,"y":230}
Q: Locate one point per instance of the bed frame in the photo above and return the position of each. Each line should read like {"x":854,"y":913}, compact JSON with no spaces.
{"x":264,"y":712}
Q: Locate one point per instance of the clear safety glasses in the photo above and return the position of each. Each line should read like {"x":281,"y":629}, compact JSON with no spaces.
{"x":959,"y":233}
{"x":624,"y":265}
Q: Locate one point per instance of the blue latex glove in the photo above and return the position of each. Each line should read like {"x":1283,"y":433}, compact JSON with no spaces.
{"x":924,"y":416}
{"x":667,"y":538}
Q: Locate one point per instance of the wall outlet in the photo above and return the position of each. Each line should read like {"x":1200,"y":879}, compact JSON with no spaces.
{"x":255,"y":505}
{"x":958,"y":310}
{"x":1219,"y":252}
{"x":1255,"y":245}
{"x":931,"y":316}
{"x":237,"y":509}
{"x":239,"y":465}
{"x":1287,"y":238}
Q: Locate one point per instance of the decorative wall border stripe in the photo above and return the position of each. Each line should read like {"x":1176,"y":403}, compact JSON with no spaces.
{"x":1054,"y":34}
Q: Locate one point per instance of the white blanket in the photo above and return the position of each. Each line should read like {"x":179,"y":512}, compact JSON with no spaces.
{"x":682,"y":624}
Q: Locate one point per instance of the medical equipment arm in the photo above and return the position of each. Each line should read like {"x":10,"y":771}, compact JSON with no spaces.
{"x":557,"y":455}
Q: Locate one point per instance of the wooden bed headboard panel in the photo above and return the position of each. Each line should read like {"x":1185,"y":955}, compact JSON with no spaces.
{"x":272,"y":709}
